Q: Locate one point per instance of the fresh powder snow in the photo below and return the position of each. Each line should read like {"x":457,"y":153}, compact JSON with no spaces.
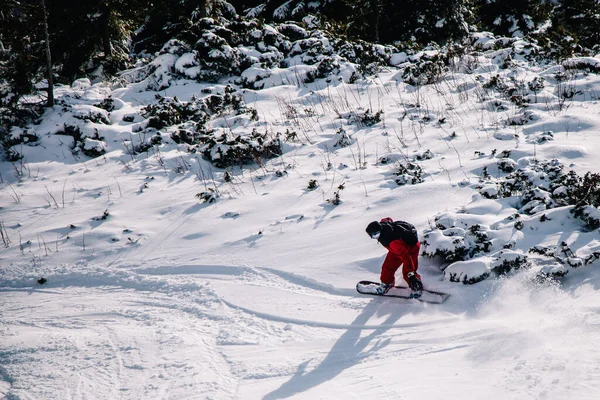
{"x":133,"y":269}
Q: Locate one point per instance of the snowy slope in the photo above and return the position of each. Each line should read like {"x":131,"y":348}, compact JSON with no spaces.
{"x":153,"y":294}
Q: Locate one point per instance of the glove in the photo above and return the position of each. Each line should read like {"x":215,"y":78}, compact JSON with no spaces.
{"x":414,"y":282}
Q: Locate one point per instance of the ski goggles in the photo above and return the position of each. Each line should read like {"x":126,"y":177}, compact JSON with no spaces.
{"x":375,"y":235}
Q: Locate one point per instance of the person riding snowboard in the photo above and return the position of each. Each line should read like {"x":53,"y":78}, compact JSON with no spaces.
{"x":402,"y":242}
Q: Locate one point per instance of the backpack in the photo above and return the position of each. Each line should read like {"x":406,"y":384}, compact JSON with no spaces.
{"x":404,"y":231}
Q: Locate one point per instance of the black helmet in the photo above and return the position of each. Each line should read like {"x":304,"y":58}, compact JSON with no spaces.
{"x":373,"y":229}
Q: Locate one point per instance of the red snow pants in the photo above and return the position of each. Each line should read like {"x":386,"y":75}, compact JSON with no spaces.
{"x":399,"y":253}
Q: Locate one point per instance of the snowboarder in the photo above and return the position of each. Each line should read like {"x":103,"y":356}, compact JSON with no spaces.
{"x":402,"y":241}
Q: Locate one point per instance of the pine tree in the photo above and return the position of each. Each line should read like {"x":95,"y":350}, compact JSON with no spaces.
{"x":92,"y":29}
{"x":580,"y":18}
{"x":513,"y":17}
{"x":412,"y":21}
{"x":164,"y":20}
{"x":23,"y":48}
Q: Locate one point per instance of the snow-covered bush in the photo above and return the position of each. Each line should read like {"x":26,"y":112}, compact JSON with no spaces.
{"x":536,"y":190}
{"x":15,"y":137}
{"x":468,"y":272}
{"x":447,"y":244}
{"x":90,"y":145}
{"x":506,"y":165}
{"x":209,"y":196}
{"x":93,"y":147}
{"x":506,"y":261}
{"x":88,"y":113}
{"x":369,"y":118}
{"x":107,"y":104}
{"x":228,"y":150}
{"x":458,"y":237}
{"x":590,"y":216}
{"x":477,"y":269}
{"x":342,"y":138}
{"x":169,"y":111}
{"x":425,"y":70}
{"x":426,"y":155}
{"x":408,"y":173}
{"x":324,"y":68}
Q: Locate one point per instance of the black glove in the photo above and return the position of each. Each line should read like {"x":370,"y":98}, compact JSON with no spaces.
{"x":414,"y":283}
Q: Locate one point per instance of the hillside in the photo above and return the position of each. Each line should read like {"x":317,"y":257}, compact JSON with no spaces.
{"x":198,"y":223}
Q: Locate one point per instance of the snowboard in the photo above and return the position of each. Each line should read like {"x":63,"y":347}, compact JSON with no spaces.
{"x":428,"y":296}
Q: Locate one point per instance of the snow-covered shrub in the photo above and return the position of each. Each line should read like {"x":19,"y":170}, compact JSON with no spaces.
{"x":148,"y":138}
{"x":312,"y":49}
{"x":15,"y":137}
{"x":456,"y":238}
{"x":544,"y":174}
{"x":536,"y":84}
{"x":342,"y":138}
{"x":523,"y":118}
{"x":553,"y":271}
{"x":229,"y":150}
{"x":408,"y":173}
{"x":468,"y":272}
{"x":107,"y":104}
{"x":92,"y":148}
{"x":579,"y":190}
{"x":513,"y":90}
{"x":209,"y":196}
{"x":366,"y":118}
{"x":489,"y":191}
{"x":292,"y":31}
{"x":426,"y":70}
{"x":475,"y":270}
{"x":188,"y":136}
{"x":446,"y":244}
{"x":535,"y":200}
{"x":506,"y":165}
{"x":214,"y":51}
{"x":426,"y":155}
{"x":506,"y":261}
{"x":312,"y":184}
{"x":88,"y":113}
{"x":590,"y":216}
{"x":336,"y":200}
{"x":170,"y":111}
{"x":253,"y":78}
{"x":535,"y":187}
{"x":324,"y":68}
{"x":544,"y":137}
{"x":370,"y":119}
{"x":369,"y":57}
{"x":589,"y":64}
{"x":128,"y":118}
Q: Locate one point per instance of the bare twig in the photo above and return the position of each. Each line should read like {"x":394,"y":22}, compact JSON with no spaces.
{"x":4,"y":235}
{"x":119,"y":186}
{"x":16,"y":197}
{"x":51,"y":196}
{"x":63,"y":194}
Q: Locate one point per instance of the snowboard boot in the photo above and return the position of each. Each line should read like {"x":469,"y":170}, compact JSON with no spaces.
{"x":415,"y":285}
{"x":383,"y":288}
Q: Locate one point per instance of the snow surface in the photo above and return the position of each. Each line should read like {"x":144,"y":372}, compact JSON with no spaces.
{"x":253,"y":296}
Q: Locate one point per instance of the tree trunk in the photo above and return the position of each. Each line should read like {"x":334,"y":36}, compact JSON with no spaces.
{"x":50,"y":78}
{"x":201,"y":4}
{"x":105,"y":26}
{"x":376,"y":18}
